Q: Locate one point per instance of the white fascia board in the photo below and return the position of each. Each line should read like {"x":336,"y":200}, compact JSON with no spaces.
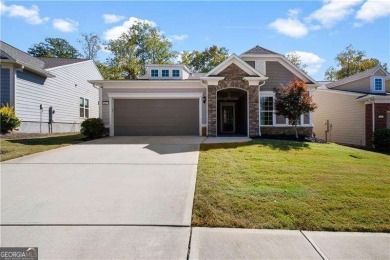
{"x":340,"y":92}
{"x":195,"y":95}
{"x":374,"y":98}
{"x":68,"y":65}
{"x":158,"y":84}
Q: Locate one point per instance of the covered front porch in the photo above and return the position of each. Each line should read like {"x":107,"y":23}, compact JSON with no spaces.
{"x":232,"y":112}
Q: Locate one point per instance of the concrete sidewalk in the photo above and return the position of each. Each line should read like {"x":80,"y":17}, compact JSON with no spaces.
{"x":232,"y":243}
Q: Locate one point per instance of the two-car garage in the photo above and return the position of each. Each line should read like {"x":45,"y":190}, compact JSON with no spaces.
{"x":156,"y":116}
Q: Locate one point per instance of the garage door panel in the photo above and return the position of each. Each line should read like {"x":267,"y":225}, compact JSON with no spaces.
{"x":156,"y":117}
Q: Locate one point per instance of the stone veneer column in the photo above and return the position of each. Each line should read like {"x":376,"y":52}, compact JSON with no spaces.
{"x":253,"y":98}
{"x":212,"y":111}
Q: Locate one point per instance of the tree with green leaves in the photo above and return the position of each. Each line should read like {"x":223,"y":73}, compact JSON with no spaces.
{"x":142,"y":44}
{"x":295,"y":59}
{"x":350,"y":62}
{"x":54,"y":48}
{"x":90,"y":45}
{"x":204,"y":61}
{"x":292,"y":101}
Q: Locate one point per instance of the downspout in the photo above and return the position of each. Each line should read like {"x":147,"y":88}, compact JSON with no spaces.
{"x":259,"y":108}
{"x":372,"y":101}
{"x":207,"y":107}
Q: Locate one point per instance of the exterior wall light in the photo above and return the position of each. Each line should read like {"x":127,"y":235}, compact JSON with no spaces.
{"x":204,"y":100}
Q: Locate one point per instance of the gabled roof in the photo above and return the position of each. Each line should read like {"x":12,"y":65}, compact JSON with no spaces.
{"x":57,"y":62}
{"x":16,"y":56}
{"x":258,"y":50}
{"x":12,"y":53}
{"x":357,"y":76}
{"x":240,"y":63}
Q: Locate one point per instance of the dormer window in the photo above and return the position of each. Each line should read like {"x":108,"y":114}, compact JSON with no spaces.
{"x":378,"y":84}
{"x":175,"y":73}
{"x":154,"y":73}
{"x":165,"y":73}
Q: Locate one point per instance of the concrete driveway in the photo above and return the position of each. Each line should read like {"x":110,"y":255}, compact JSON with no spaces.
{"x":70,"y":201}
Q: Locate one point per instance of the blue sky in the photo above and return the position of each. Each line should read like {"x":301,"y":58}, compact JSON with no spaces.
{"x":316,"y":30}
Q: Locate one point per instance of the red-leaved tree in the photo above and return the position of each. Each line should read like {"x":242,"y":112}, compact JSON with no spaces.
{"x":292,"y":101}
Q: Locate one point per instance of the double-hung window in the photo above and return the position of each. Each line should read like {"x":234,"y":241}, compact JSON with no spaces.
{"x":84,"y":107}
{"x":267,"y":110}
{"x":378,"y":84}
{"x":154,"y":73}
{"x":165,"y":73}
{"x":175,"y":73}
{"x":269,"y":116}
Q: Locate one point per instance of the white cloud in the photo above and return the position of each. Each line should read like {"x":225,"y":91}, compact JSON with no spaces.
{"x":373,"y":9}
{"x":117,"y":31}
{"x":332,"y":12}
{"x":112,"y":18}
{"x":313,"y":61}
{"x":65,"y":25}
{"x":30,"y":15}
{"x":290,"y":26}
{"x":176,"y":38}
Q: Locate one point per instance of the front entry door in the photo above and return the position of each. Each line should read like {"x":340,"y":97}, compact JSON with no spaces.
{"x":228,"y":118}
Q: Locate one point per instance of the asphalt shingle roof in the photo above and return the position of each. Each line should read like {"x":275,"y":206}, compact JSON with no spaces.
{"x":258,"y":50}
{"x":357,"y":76}
{"x":56,"y":62}
{"x":20,"y":56}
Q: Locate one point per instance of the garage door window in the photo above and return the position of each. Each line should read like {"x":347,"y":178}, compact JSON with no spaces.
{"x":84,"y":107}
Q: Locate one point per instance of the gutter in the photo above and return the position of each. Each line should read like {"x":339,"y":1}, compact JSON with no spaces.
{"x":259,"y":109}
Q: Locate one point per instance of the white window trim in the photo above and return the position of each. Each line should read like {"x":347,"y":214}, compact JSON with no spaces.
{"x":178,"y":76}
{"x":151,"y":73}
{"x":272,"y":94}
{"x":84,"y":117}
{"x":373,"y":84}
{"x":162,"y":73}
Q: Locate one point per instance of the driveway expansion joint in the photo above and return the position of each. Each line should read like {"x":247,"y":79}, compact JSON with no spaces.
{"x":318,"y":250}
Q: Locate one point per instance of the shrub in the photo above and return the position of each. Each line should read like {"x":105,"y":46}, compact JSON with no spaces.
{"x":8,"y":119}
{"x":92,"y":128}
{"x":381,"y":138}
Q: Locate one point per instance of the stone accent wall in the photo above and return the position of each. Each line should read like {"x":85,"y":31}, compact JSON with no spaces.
{"x":302,"y":130}
{"x":233,"y":72}
{"x":380,"y":110}
{"x":253,"y":99}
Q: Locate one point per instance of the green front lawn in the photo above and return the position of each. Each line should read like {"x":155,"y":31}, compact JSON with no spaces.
{"x":14,"y":148}
{"x":279,"y":184}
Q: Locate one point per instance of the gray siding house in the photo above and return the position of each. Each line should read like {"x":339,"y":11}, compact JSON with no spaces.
{"x":235,"y":98}
{"x":48,"y":94}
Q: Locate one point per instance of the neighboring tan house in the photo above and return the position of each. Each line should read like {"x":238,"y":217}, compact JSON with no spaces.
{"x":48,"y":94}
{"x":235,"y":98}
{"x":347,"y":107}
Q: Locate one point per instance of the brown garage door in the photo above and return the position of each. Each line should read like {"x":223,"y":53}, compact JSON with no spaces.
{"x":156,"y":117}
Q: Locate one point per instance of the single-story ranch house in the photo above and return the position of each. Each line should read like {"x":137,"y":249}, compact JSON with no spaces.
{"x":351,"y":109}
{"x":48,"y":94}
{"x":235,"y":98}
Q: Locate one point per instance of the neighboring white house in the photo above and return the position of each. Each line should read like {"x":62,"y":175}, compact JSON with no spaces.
{"x":48,"y":94}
